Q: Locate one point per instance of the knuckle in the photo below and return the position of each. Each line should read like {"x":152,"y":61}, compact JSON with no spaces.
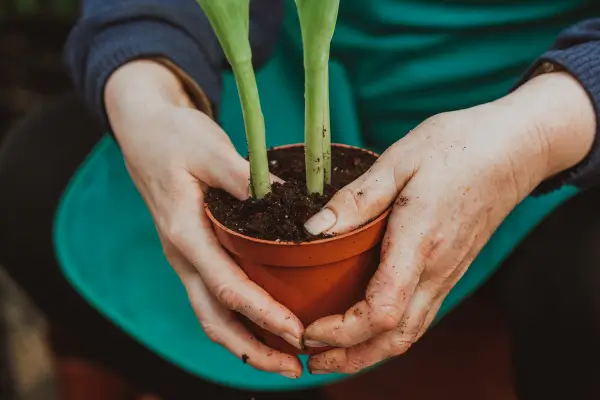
{"x":399,"y":345}
{"x":349,"y":339}
{"x":355,"y":365}
{"x":439,"y":118}
{"x":227,"y":296}
{"x":387,"y":322}
{"x":349,"y":198}
{"x":429,"y":248}
{"x":388,"y":317}
{"x":175,"y":233}
{"x":211,"y":331}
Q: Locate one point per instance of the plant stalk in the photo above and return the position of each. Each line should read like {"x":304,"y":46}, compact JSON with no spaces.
{"x":230,"y":19}
{"x":327,"y":132}
{"x":315,"y":130}
{"x":317,"y":22}
{"x":255,"y":129}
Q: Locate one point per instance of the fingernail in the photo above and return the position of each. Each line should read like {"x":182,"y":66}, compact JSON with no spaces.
{"x":289,"y":374}
{"x":293,"y":340}
{"x":314,"y":343}
{"x":320,"y":222}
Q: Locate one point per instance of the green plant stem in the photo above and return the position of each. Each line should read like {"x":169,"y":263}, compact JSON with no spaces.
{"x":315,"y":91}
{"x":230,"y":21}
{"x":255,"y":129}
{"x":327,"y":132}
{"x":317,"y":22}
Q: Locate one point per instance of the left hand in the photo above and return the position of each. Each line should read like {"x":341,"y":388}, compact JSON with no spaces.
{"x":451,"y":181}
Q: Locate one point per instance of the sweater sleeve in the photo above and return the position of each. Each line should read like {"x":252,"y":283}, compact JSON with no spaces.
{"x":111,"y":33}
{"x":577,"y":51}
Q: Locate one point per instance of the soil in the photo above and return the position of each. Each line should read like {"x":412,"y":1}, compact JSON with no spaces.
{"x":280,"y":216}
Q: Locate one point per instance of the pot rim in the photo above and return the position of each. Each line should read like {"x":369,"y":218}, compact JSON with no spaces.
{"x":311,"y":243}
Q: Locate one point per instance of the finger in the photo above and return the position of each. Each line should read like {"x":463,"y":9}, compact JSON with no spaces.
{"x":409,"y":244}
{"x":424,"y":306}
{"x":228,"y":171}
{"x":364,"y":199}
{"x":444,"y":290}
{"x":415,"y":316}
{"x":190,"y":232}
{"x":382,"y":347}
{"x":433,"y":311}
{"x":222,"y":327}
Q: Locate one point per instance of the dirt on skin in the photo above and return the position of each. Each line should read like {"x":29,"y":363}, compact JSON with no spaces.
{"x":280,"y":216}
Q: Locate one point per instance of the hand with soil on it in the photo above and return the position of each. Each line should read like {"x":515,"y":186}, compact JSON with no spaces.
{"x":173,"y":153}
{"x":451,"y":182}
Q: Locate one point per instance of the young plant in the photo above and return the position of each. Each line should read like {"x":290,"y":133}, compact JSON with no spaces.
{"x":230,"y":19}
{"x":317,"y":22}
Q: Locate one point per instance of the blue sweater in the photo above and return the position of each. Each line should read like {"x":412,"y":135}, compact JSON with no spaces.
{"x":113,"y":32}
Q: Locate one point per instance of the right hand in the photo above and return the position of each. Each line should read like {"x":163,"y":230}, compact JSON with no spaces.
{"x":173,"y":153}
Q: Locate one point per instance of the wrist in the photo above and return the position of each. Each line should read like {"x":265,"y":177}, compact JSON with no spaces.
{"x":557,"y":113}
{"x":143,"y":83}
{"x":138,"y":90}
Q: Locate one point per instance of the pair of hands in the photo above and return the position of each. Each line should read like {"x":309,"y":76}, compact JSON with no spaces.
{"x":451,"y":181}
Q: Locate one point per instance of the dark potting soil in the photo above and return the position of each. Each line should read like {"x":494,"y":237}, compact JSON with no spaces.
{"x":281,"y":214}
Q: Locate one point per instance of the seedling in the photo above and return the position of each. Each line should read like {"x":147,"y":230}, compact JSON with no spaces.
{"x":317,"y":21}
{"x":230,"y":21}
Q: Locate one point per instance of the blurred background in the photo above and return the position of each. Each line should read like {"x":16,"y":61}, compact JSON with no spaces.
{"x":32,"y":34}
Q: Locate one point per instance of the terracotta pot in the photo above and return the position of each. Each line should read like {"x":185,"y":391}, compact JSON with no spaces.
{"x":313,"y":279}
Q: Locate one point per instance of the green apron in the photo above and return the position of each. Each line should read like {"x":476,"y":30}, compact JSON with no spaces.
{"x":395,"y":63}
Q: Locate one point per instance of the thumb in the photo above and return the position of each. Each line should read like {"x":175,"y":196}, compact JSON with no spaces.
{"x":231,"y":173}
{"x":362,"y":200}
